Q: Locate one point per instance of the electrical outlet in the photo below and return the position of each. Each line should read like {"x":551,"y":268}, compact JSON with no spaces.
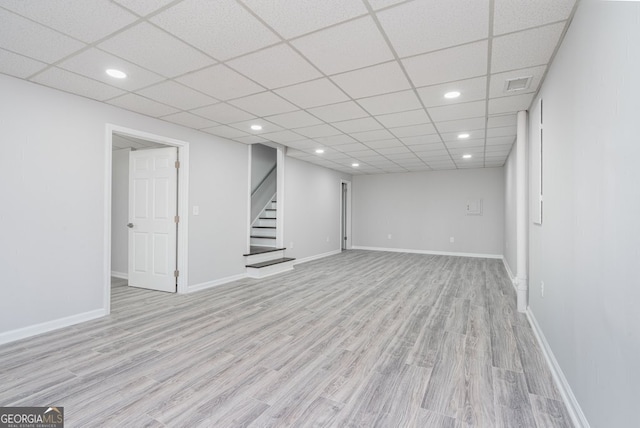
{"x":196,"y":210}
{"x":541,"y":288}
{"x":389,"y":236}
{"x":451,"y":239}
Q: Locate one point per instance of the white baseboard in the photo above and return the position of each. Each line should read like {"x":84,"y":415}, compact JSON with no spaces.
{"x":573,"y":407}
{"x":436,"y":253}
{"x":215,"y":283}
{"x":45,"y":327}
{"x":512,"y":277}
{"x":120,"y":275}
{"x":316,"y":257}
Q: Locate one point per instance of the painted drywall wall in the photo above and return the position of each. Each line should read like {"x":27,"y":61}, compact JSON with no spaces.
{"x":587,"y":249}
{"x":120,"y":211}
{"x":510,"y":242}
{"x":53,"y":192}
{"x":312,"y":209}
{"x":423,"y":210}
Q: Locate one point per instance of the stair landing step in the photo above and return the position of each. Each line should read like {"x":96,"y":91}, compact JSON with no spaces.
{"x":260,"y":250}
{"x":263,"y":227}
{"x":270,"y":263}
{"x":263,"y":237}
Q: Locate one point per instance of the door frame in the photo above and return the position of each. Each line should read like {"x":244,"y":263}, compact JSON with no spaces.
{"x":349,"y":243}
{"x":183,"y":204}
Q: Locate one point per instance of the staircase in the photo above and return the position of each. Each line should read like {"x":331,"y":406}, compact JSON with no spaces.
{"x":264,"y":259}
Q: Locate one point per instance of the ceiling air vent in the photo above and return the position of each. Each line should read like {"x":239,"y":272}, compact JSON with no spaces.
{"x":517,"y":84}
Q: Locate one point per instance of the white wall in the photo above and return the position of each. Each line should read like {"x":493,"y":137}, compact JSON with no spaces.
{"x":120,"y":211}
{"x":52,"y":188}
{"x":510,"y":242}
{"x":312,"y":209}
{"x":422,"y":210}
{"x":588,"y":248}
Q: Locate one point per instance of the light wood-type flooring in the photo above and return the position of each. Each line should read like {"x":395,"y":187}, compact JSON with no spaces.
{"x":359,"y":339}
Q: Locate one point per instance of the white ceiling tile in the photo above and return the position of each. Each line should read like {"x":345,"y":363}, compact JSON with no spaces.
{"x":379,"y":4}
{"x":173,"y":59}
{"x":464,"y":145}
{"x":76,"y":18}
{"x":498,"y":81}
{"x":76,"y":84}
{"x":461,"y":125}
{"x":421,"y":140}
{"x":391,"y":103}
{"x":18,"y":65}
{"x":394,"y":150}
{"x":457,"y":111}
{"x":294,"y":18}
{"x":189,"y":120}
{"x":413,"y":130}
{"x":379,"y":79}
{"x":275,"y":67}
{"x":318,"y":131}
{"x":93,"y":63}
{"x":336,"y":140}
{"x":428,"y":156}
{"x":407,"y":155}
{"x":264,"y":104}
{"x":220,"y":82}
{"x":504,"y":120}
{"x":294,"y":119}
{"x":223,"y":113}
{"x":176,"y":95}
{"x":462,"y":62}
{"x":525,"y":49}
{"x":504,"y":131}
{"x":433,"y":149}
{"x":345,"y":47}
{"x":497,"y":141}
{"x":510,"y":104}
{"x":251,"y":139}
{"x":381,"y":134}
{"x":470,"y":90}
{"x":282,"y":137}
{"x":473,"y":135}
{"x":428,"y":25}
{"x":221,"y":28}
{"x":312,"y":94}
{"x":502,"y":148}
{"x":365,"y":154}
{"x":245,"y":126}
{"x":405,"y":118}
{"x":357,"y":125}
{"x":225,"y":131}
{"x":516,"y":15}
{"x":18,"y":34}
{"x":143,"y":7}
{"x":337,"y":112}
{"x":305,"y":145}
{"x":348,"y":148}
{"x":142,"y":105}
{"x":475,"y":150}
{"x":384,"y":144}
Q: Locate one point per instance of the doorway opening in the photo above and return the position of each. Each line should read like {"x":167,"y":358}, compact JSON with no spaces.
{"x":345,"y":215}
{"x":146,"y":176}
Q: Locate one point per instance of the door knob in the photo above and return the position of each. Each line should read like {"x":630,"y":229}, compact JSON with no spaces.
{"x":130,"y":225}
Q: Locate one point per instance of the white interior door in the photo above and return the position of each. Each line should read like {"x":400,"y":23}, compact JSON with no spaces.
{"x":153,"y":180}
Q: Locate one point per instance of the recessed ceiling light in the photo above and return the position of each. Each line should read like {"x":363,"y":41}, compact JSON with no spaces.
{"x":319,"y":151}
{"x":466,"y":156}
{"x":116,"y":73}
{"x":256,"y":127}
{"x":452,"y":94}
{"x":355,"y":165}
{"x":463,"y":136}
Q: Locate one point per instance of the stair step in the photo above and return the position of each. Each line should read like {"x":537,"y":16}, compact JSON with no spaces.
{"x":270,"y":263}
{"x":260,"y":250}
{"x":267,"y":218}
{"x":263,"y":237}
{"x":263,"y":227}
{"x":270,"y":209}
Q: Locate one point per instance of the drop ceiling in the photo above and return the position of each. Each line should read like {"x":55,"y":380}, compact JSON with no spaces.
{"x":362,"y":79}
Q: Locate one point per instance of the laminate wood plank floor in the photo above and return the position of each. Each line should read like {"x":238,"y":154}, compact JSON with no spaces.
{"x":359,"y":339}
